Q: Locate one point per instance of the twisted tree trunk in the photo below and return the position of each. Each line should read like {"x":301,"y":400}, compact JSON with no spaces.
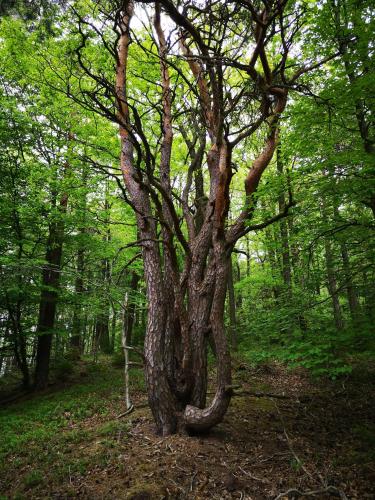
{"x":186,"y":239}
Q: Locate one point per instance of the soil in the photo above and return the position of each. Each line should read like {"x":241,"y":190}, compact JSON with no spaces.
{"x":265,"y":446}
{"x":309,"y":440}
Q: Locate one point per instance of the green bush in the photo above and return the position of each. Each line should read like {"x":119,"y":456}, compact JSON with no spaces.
{"x":63,"y":369}
{"x":118,"y":359}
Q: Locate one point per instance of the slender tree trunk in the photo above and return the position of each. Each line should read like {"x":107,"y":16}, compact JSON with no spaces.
{"x":369,"y":297}
{"x":127,"y":327}
{"x":76,"y":340}
{"x":76,"y":337}
{"x":129,"y":309}
{"x":19,"y":343}
{"x":102,"y":319}
{"x":113,"y":329}
{"x":232,"y":309}
{"x":332,"y":286}
{"x":48,"y":298}
{"x":248,"y":261}
{"x":284,"y":236}
{"x":102,"y":339}
{"x":273,"y":260}
{"x":350,"y":288}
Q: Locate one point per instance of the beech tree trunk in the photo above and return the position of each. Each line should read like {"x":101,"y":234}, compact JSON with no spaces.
{"x":48,"y":298}
{"x":232,"y":309}
{"x":76,"y":337}
{"x":332,"y":285}
{"x":129,"y":309}
{"x":19,"y":342}
{"x":284,"y":236}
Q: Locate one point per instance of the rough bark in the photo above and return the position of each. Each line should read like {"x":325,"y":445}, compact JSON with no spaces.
{"x":186,"y":272}
{"x":48,"y":298}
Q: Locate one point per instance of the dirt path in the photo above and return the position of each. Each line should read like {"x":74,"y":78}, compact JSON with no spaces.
{"x":314,"y":441}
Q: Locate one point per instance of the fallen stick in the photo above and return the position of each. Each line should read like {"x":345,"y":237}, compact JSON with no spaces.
{"x":129,"y":410}
{"x":295,"y":492}
{"x":251,"y":393}
{"x":132,"y":408}
{"x":261,"y":395}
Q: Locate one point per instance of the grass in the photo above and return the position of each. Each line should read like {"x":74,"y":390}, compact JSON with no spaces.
{"x":42,"y":438}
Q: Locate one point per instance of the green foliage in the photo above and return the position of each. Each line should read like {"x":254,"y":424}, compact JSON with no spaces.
{"x":33,"y":478}
{"x":64,"y":368}
{"x":55,"y":143}
{"x":54,"y":419}
{"x":40,"y":436}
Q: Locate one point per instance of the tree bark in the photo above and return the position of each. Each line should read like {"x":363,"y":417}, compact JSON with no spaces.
{"x":232,"y":309}
{"x":76,"y":337}
{"x":332,"y":285}
{"x":284,"y":236}
{"x":48,"y":298}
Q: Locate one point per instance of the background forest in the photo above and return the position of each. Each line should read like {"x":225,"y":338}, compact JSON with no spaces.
{"x":301,"y":290}
{"x":187,"y":205}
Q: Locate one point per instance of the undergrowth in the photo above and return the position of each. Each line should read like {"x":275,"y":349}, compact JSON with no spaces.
{"x":39,"y":436}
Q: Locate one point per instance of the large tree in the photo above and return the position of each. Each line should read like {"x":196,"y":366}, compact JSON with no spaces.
{"x":225,"y":73}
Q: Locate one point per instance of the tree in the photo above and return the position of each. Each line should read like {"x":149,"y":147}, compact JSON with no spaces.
{"x":233,"y":97}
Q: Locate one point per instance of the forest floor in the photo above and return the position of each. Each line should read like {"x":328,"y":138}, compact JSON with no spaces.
{"x":315,"y":441}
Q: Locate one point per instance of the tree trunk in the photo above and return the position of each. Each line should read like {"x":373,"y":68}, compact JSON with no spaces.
{"x":332,"y":286}
{"x":76,"y":337}
{"x":129,"y":308}
{"x":284,"y":236}
{"x":232,"y":309}
{"x":102,"y":339}
{"x":186,"y":301}
{"x":48,"y":298}
{"x":350,"y":289}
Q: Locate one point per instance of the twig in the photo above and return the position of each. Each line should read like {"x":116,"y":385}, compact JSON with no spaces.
{"x":298,"y":493}
{"x":261,"y":395}
{"x":132,"y":348}
{"x":260,"y":479}
{"x":327,"y":489}
{"x":298,"y":460}
{"x":192,"y":480}
{"x":254,"y":394}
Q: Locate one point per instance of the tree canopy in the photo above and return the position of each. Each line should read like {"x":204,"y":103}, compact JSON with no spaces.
{"x":186,"y":180}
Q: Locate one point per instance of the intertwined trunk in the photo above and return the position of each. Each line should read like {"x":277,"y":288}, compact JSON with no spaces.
{"x":186,"y":300}
{"x":171,"y":365}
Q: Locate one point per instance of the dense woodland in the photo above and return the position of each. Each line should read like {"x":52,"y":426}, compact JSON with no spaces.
{"x":184,"y":185}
